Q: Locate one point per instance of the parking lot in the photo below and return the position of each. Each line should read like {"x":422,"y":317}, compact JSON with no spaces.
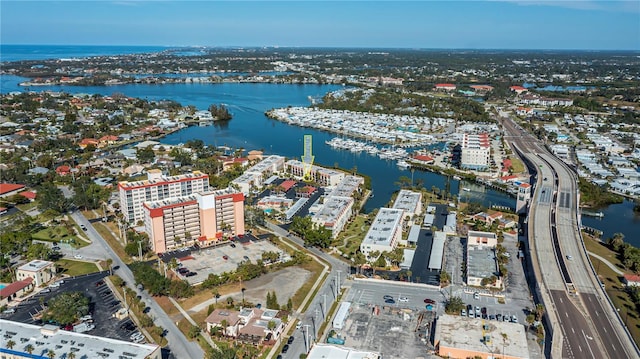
{"x":221,"y":258}
{"x":103,"y":304}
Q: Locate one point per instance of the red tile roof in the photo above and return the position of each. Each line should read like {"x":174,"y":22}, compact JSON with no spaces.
{"x":424,"y":158}
{"x":14,"y":287}
{"x":632,"y":278}
{"x":286,"y":185}
{"x":445,"y":86}
{"x":9,"y":187}
{"x":28,"y":194}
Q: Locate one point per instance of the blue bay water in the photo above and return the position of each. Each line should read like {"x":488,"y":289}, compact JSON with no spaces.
{"x":43,"y":52}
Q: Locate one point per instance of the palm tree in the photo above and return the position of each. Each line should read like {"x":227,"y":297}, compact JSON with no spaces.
{"x":539,"y":311}
{"x":29,"y":348}
{"x":71,"y":355}
{"x":51,"y":354}
{"x":224,"y":323}
{"x":109,"y":264}
{"x":216,"y":294}
{"x":10,"y":344}
{"x":243,"y":290}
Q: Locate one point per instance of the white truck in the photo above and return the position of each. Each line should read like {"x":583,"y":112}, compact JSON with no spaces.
{"x":83,"y":327}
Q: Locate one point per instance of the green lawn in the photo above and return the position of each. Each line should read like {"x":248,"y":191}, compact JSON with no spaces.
{"x":56,"y":234}
{"x":353,"y":234}
{"x":76,"y":268}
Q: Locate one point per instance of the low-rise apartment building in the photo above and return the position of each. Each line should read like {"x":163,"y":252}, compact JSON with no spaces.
{"x":410,"y":202}
{"x":334,"y":214}
{"x":325,"y":177}
{"x":385,"y":232}
{"x":255,"y":176}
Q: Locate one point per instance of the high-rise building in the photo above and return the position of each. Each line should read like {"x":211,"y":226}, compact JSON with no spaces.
{"x":202,"y":218}
{"x":476,"y":151}
{"x":158,"y":187}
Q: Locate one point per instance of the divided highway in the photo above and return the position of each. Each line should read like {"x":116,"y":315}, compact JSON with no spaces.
{"x":585,"y":324}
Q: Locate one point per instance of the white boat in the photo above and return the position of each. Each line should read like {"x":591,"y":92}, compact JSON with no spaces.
{"x":466,"y":189}
{"x":457,"y":178}
{"x":403,"y":164}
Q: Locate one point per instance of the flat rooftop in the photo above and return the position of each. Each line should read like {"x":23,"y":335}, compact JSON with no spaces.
{"x":35,"y":265}
{"x":164,"y":179}
{"x":467,"y":334}
{"x":481,"y":261}
{"x":332,"y":208}
{"x":408,"y":201}
{"x":347,"y":186}
{"x":50,"y":337}
{"x":383,"y":226}
{"x":328,"y":351}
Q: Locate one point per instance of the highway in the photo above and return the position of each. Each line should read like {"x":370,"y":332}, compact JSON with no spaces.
{"x":576,"y":303}
{"x":179,"y":346}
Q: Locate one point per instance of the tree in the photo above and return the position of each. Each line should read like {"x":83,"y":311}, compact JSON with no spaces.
{"x":444,"y":277}
{"x":224,"y":323}
{"x":271,"y":325}
{"x":539,"y":311}
{"x":51,"y":354}
{"x":71,"y":355}
{"x":145,"y":155}
{"x":220,"y":112}
{"x":216,"y":294}
{"x":38,"y":251}
{"x":10,"y":344}
{"x":51,"y":197}
{"x":67,"y":307}
{"x":454,"y":305}
{"x":29,"y":348}
{"x":616,"y":242}
{"x":194,"y":331}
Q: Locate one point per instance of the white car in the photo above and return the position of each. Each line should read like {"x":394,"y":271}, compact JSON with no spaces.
{"x":77,"y":256}
{"x":403,"y":299}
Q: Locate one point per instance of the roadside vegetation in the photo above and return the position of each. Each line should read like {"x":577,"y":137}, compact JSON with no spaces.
{"x":594,"y":196}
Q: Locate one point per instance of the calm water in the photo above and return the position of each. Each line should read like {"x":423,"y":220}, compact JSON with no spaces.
{"x":43,"y":52}
{"x":618,"y":218}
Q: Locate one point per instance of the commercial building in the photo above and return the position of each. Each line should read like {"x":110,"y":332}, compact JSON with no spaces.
{"x":334,"y":214}
{"x":325,"y":351}
{"x":476,"y":151}
{"x":481,"y":264}
{"x":487,"y":239}
{"x":41,"y":271}
{"x":410,"y":202}
{"x":385,"y":231}
{"x":158,"y":187}
{"x":61,"y":342}
{"x":201,"y":217}
{"x":323,"y":176}
{"x":462,"y":337}
{"x":255,"y":176}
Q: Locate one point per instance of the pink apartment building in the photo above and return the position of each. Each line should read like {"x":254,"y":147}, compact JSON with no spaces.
{"x":202,"y":218}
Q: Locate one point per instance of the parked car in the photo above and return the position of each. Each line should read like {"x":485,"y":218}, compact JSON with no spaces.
{"x":390,"y":301}
{"x":463,"y":312}
{"x":476,"y":295}
{"x":233,"y":245}
{"x":225,"y":257}
{"x":291,"y":339}
{"x":403,"y":299}
{"x":285,"y":348}
{"x":429,"y":301}
{"x":191,"y":274}
{"x":387,"y":297}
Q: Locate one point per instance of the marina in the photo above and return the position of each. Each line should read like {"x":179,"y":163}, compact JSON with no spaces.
{"x":396,"y":130}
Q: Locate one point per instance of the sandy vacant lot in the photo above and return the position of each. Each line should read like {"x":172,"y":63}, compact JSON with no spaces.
{"x":284,"y":282}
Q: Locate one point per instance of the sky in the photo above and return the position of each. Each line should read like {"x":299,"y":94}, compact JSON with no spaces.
{"x":479,"y":24}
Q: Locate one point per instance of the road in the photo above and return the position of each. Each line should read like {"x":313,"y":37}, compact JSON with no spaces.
{"x":323,"y":300}
{"x":178,"y":344}
{"x":590,"y":326}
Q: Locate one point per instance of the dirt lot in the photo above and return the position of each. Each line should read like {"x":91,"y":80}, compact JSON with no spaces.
{"x":284,"y":282}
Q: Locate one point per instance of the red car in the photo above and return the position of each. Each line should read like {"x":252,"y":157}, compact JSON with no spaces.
{"x":430,"y":301}
{"x":225,"y":257}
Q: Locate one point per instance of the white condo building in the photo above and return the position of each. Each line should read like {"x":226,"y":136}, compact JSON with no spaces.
{"x":255,"y":176}
{"x":476,"y":151}
{"x":158,"y":187}
{"x":409,"y":201}
{"x":385,"y":231}
{"x":323,"y":176}
{"x":335,"y":214}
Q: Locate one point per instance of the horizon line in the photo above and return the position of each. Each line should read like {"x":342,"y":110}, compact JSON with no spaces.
{"x":335,"y":47}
